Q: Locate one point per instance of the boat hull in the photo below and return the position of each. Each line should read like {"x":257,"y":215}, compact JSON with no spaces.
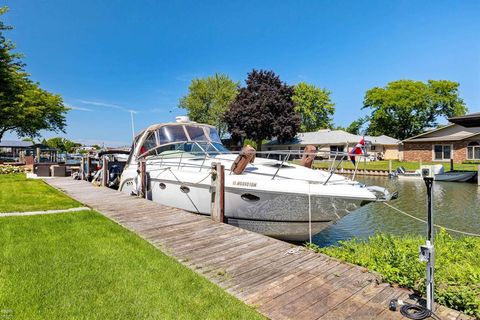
{"x":280,"y":215}
{"x":455,"y":176}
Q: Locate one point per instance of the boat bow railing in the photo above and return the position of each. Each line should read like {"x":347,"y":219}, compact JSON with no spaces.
{"x":283,"y":157}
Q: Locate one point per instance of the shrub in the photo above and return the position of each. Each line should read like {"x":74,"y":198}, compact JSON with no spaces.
{"x":7,"y":169}
{"x":457,"y":265}
{"x":471,"y":162}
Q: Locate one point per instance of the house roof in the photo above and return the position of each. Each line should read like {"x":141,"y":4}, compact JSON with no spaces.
{"x":383,"y":139}
{"x":469,"y":125}
{"x":468,"y":120}
{"x":428,"y":132}
{"x":15,"y":144}
{"x":327,"y":136}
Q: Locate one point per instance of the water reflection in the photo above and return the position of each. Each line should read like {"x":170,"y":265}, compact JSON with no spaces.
{"x":457,"y":206}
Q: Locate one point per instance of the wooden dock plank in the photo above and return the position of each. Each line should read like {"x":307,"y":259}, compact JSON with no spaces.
{"x":282,"y":280}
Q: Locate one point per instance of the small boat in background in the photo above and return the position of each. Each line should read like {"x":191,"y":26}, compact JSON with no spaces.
{"x":439,"y":174}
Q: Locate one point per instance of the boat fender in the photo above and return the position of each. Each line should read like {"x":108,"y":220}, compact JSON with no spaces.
{"x":309,"y":154}
{"x":246,"y":156}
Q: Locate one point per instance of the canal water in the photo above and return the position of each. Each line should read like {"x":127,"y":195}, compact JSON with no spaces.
{"x":457,"y":206}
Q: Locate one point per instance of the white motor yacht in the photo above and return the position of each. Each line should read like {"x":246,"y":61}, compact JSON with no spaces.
{"x":270,"y":196}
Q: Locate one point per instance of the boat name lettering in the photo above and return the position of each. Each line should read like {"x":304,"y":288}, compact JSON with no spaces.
{"x":245,"y":184}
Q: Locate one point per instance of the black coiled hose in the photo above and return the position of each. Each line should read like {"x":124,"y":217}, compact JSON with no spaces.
{"x":412,"y":311}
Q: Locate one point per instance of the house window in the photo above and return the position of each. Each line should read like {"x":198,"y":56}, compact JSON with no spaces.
{"x":473,"y":151}
{"x":336,"y":151}
{"x":442,"y":152}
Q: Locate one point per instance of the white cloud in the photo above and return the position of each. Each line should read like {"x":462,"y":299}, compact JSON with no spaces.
{"x":107,"y":105}
{"x":78,"y":108}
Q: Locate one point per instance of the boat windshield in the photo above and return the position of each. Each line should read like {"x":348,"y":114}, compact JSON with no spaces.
{"x":195,"y":139}
{"x":192,"y":149}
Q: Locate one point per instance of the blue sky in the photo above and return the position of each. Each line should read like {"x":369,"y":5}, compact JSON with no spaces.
{"x":106,"y":57}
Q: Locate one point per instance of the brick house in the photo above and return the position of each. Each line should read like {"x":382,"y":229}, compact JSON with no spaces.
{"x":459,"y":140}
{"x":330,"y":141}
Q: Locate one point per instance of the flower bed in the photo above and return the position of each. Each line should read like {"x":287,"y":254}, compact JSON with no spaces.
{"x":8,"y":169}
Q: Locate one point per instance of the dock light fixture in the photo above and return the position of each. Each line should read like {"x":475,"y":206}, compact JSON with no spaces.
{"x":426,"y":254}
{"x":427,"y":251}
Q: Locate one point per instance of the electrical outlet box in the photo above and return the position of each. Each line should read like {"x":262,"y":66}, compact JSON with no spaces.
{"x":427,"y":171}
{"x":426,"y":252}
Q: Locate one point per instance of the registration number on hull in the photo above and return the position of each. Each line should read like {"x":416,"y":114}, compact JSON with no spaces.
{"x":245,"y":184}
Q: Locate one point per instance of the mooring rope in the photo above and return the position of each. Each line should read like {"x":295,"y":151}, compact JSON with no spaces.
{"x":436,"y":225}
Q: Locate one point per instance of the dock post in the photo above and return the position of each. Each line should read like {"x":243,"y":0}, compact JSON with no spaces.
{"x":420,"y":164}
{"x":390,"y":166}
{"x":143,"y":179}
{"x":104,"y":171}
{"x":82,"y":169}
{"x":218,"y":193}
{"x":451,"y":164}
{"x":88,"y":167}
{"x":478,"y":177}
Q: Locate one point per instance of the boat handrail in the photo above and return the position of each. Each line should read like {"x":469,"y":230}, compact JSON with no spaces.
{"x":284,"y":156}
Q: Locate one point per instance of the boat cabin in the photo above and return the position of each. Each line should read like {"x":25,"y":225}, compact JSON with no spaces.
{"x":178,"y":138}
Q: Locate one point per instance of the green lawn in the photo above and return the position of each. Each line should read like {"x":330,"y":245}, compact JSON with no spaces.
{"x":83,"y":266}
{"x":383,"y":165}
{"x":17,"y":193}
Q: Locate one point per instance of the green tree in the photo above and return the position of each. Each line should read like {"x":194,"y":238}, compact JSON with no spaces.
{"x":28,"y":139}
{"x":314,"y":106}
{"x":263,"y":109}
{"x":25,"y":108}
{"x":208,"y":99}
{"x":405,"y":108}
{"x":62,"y":144}
{"x":356,"y":126}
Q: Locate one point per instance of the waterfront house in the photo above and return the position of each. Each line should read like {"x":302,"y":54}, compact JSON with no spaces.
{"x":458,"y":140}
{"x":330,"y":141}
{"x":15,"y":151}
{"x":10,"y":151}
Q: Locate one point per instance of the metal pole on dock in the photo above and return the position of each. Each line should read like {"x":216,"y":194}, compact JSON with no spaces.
{"x":390,"y":166}
{"x":218,"y":193}
{"x":427,"y":251}
{"x":105,"y":171}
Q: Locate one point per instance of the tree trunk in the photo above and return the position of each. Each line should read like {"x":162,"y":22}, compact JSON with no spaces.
{"x":2,"y":132}
{"x":259,"y":146}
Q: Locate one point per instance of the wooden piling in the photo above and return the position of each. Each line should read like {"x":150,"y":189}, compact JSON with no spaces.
{"x":389,"y":166}
{"x":143,"y":179}
{"x":88,"y":167}
{"x":451,"y":164}
{"x":82,"y":169}
{"x":104,"y":171}
{"x":218,"y":193}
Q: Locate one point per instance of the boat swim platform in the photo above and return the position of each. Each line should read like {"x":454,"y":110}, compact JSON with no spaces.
{"x":279,"y":279}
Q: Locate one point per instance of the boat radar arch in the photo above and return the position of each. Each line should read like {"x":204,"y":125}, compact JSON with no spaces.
{"x":182,"y":119}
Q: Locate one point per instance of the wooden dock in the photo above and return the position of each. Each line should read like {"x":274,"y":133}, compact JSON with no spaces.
{"x":281,"y":280}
